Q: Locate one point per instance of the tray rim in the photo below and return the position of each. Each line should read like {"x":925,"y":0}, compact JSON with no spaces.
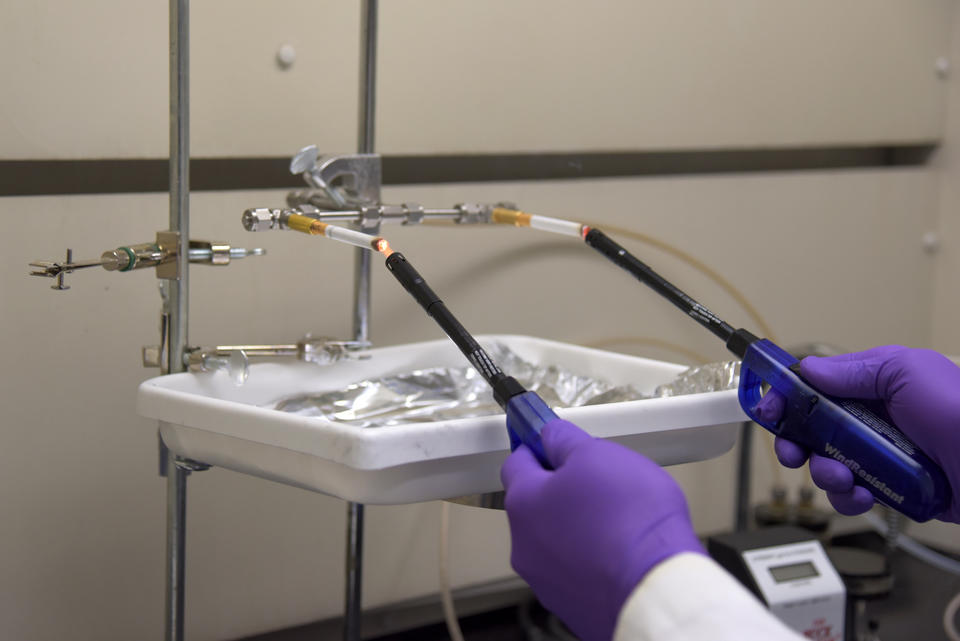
{"x":373,"y":449}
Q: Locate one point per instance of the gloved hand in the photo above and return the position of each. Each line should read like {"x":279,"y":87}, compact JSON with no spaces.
{"x":586,"y":533}
{"x":921,"y":391}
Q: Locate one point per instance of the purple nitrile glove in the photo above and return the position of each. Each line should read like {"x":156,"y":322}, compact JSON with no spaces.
{"x":585,"y":533}
{"x":921,"y":391}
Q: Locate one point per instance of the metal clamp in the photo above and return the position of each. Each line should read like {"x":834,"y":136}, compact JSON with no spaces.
{"x":339,"y":182}
{"x":161,"y":254}
{"x":189,"y":465}
{"x":235,"y":359}
{"x":51,"y":269}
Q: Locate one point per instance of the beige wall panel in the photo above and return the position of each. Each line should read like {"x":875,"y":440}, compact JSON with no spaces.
{"x":946,"y":312}
{"x":946,"y":308}
{"x":89,"y":80}
{"x":661,"y":75}
{"x":85,"y":527}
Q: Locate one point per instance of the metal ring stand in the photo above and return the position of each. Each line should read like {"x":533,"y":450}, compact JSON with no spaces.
{"x":175,"y":316}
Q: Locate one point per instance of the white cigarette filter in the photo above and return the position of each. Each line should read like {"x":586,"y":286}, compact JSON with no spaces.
{"x":350,"y":236}
{"x":557,"y":226}
{"x":314,"y":227}
{"x":543,"y":223}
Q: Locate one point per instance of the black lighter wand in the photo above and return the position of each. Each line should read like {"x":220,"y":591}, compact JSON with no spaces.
{"x":527,"y":414}
{"x":737,"y":340}
{"x":504,"y":387}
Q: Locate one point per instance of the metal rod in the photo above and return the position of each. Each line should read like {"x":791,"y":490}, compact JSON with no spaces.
{"x":259,"y":350}
{"x":368,"y":75}
{"x":741,"y":512}
{"x":355,"y":216}
{"x":365,"y":145}
{"x":361,"y":319}
{"x":179,"y":176}
{"x":176,"y":547}
{"x":354,"y":572}
{"x":361,"y":308}
{"x":176,"y":302}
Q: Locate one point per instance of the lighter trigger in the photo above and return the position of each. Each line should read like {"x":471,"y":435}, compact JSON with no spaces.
{"x":812,"y":401}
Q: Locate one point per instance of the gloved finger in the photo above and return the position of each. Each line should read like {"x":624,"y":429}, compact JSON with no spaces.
{"x":790,"y":454}
{"x":851,"y":375}
{"x":560,"y":439}
{"x":770,"y":407}
{"x":856,"y":501}
{"x":830,"y":475}
{"x":900,"y":369}
{"x":522,"y":469}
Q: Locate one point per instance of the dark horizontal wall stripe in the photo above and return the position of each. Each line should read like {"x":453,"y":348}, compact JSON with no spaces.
{"x":52,"y":177}
{"x":401,"y":170}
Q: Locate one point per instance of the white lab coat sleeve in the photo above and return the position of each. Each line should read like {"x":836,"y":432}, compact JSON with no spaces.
{"x":690,"y":598}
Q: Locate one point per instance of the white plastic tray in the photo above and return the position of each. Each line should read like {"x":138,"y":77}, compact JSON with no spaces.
{"x":207,"y":418}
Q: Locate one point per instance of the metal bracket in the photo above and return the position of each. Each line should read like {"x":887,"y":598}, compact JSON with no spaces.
{"x":51,"y":269}
{"x":339,"y":182}
{"x":161,"y":254}
{"x":151,"y":356}
{"x":189,"y":465}
{"x":321,"y":350}
{"x":169,"y":244}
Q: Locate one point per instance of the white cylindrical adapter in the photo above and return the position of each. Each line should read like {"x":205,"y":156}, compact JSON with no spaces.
{"x":556,"y":225}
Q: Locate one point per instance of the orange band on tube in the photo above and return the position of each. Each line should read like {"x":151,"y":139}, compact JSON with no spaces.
{"x":511,"y":217}
{"x":305,"y":224}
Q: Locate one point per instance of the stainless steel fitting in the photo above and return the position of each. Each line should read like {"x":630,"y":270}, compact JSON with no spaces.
{"x":473,"y":213}
{"x":414,"y":213}
{"x":325,"y":350}
{"x":262,"y":219}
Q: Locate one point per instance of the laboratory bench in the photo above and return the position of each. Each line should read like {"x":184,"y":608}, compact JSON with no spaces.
{"x":914,"y":610}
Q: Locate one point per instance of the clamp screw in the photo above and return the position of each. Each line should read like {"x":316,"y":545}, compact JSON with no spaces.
{"x":60,"y":286}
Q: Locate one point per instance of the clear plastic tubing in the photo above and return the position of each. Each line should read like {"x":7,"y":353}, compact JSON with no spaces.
{"x":917,"y":549}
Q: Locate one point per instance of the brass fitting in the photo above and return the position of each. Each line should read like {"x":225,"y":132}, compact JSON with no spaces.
{"x":511,"y":217}
{"x":306,"y":225}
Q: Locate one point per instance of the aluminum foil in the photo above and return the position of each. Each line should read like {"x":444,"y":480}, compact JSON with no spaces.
{"x":714,"y":377}
{"x":443,"y":393}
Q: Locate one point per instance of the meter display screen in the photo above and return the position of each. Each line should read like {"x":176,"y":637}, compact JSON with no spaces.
{"x":784,"y":573}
